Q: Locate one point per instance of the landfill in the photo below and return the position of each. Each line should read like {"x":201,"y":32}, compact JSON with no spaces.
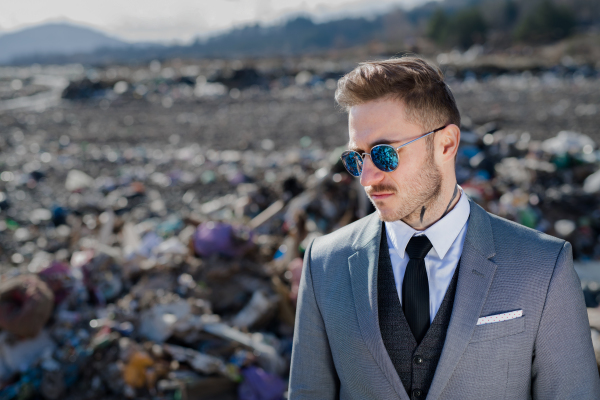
{"x":151,"y":239}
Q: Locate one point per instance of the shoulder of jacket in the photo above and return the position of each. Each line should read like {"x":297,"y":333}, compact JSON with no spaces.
{"x":511,"y":236}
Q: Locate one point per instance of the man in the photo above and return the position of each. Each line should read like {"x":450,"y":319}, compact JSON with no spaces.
{"x":441,"y":300}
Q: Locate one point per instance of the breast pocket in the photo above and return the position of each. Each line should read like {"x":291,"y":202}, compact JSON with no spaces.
{"x":498,"y":329}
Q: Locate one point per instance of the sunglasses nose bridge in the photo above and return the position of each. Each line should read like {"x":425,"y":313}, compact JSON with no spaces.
{"x":370,"y":173}
{"x":361,"y":165}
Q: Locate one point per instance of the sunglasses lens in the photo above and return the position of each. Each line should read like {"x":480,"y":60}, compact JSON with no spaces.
{"x":352,"y":162}
{"x":384,"y":157}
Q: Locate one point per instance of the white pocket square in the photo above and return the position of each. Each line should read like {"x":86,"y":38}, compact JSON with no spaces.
{"x":490,"y":319}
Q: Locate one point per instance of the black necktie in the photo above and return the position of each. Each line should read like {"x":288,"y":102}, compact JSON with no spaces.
{"x":415,"y":287}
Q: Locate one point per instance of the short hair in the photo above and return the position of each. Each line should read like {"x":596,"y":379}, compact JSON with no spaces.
{"x":421,"y":87}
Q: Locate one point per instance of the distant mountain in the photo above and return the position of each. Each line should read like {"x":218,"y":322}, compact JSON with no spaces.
{"x":55,"y":38}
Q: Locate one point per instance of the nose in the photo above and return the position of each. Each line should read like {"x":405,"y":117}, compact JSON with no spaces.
{"x":371,"y":175}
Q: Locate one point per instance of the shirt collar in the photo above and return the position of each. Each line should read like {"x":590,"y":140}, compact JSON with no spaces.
{"x":441,"y":234}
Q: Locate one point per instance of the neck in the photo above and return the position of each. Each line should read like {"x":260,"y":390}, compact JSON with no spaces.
{"x":435,"y":209}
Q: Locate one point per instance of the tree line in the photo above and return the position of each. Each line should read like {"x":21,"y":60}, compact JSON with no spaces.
{"x":512,"y":22}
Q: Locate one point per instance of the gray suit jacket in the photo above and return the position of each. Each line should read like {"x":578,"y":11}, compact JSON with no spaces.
{"x":546,"y":354}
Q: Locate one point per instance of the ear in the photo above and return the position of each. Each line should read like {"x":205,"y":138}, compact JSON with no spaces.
{"x":448,"y":140}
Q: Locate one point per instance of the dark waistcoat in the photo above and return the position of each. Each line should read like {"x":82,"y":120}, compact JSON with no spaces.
{"x":415,"y":364}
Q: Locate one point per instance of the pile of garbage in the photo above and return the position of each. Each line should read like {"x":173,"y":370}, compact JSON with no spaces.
{"x":552,"y":185}
{"x":139,"y":285}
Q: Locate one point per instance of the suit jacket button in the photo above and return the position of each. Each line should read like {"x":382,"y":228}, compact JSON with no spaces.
{"x":417,"y":393}
{"x":418,"y":360}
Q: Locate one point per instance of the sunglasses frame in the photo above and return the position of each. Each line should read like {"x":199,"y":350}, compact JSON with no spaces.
{"x":382,"y":145}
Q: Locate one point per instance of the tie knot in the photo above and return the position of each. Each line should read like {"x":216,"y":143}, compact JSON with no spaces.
{"x":418,"y":247}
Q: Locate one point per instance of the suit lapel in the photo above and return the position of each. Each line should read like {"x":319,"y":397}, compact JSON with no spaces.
{"x":474,"y":279}
{"x":363,"y":273}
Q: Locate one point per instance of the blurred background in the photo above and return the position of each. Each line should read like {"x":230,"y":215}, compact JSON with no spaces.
{"x":163,"y":168}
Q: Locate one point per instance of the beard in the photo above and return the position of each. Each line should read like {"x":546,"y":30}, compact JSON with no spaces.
{"x":421,"y":191}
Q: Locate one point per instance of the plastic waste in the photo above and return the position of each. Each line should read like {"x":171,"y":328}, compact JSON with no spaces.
{"x":78,"y":180}
{"x":158,"y":323}
{"x":221,"y":238}
{"x":26,"y":304}
{"x":134,"y":373}
{"x":20,"y":355}
{"x":260,"y":385}
{"x":257,"y":310}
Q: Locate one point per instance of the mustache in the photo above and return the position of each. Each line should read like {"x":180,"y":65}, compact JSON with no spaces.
{"x":380,"y":188}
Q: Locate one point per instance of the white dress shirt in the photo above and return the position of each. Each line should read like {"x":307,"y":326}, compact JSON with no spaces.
{"x":447,"y":237}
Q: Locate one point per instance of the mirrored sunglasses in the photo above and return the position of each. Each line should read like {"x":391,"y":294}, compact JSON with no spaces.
{"x":383,"y":156}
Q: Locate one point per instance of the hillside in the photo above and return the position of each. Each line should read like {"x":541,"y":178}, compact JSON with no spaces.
{"x":47,"y":39}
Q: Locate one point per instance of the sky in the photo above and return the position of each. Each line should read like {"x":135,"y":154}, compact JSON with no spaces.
{"x":177,"y":20}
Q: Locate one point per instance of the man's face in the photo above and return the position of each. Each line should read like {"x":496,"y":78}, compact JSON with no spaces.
{"x":417,"y":180}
